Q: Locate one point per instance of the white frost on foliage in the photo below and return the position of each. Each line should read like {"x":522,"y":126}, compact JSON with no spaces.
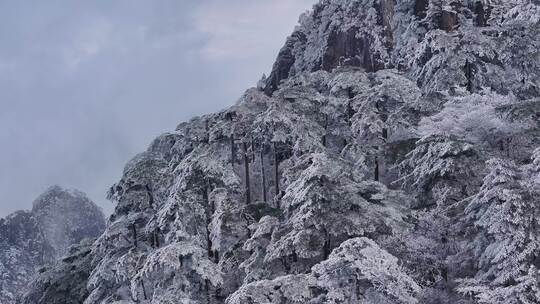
{"x":473,"y":118}
{"x":506,"y":211}
{"x":362,"y":259}
{"x":177,"y":257}
{"x":358,"y":271}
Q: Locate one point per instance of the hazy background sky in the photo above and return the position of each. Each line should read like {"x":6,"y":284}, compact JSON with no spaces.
{"x":86,"y":85}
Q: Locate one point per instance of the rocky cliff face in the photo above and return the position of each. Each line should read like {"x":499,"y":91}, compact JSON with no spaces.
{"x":347,"y":33}
{"x":392,"y":156}
{"x":30,"y":239}
{"x":425,"y":39}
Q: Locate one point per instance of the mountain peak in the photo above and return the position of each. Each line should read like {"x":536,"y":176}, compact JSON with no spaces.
{"x":66,"y":216}
{"x":29,"y":239}
{"x":60,"y":195}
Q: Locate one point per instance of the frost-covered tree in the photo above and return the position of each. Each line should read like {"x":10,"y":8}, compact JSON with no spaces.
{"x":64,"y":282}
{"x":326,"y":203}
{"x":257,"y":245}
{"x":508,"y":242}
{"x":535,"y":170}
{"x":358,"y":271}
{"x":474,"y":118}
{"x":440,"y":170}
{"x":283,"y":128}
{"x":132,"y":231}
{"x":382,"y":115}
{"x":185,"y":272}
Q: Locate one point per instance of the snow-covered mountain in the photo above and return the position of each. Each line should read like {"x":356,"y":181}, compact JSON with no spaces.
{"x":31,"y":239}
{"x":391,"y":156}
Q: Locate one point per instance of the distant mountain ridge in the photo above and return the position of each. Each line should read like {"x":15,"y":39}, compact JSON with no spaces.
{"x":30,"y":239}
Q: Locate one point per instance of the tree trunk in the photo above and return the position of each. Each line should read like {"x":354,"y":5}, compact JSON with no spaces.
{"x":206,"y":138}
{"x":324,"y":139}
{"x":469,"y":76}
{"x":376,"y":173}
{"x":276,"y":170}
{"x":285,"y":264}
{"x":263,"y":174}
{"x":482,"y":14}
{"x":209,"y":212}
{"x":207,"y":289}
{"x":150,"y":196}
{"x":143,"y":289}
{"x":134,"y":231}
{"x":327,"y":245}
{"x":156,"y":238}
{"x":246,"y":172}
{"x":350,"y":112}
{"x":233,"y":150}
{"x":252,"y":151}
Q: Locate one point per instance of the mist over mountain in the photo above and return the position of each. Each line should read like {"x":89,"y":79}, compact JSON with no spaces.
{"x":392,"y":155}
{"x":31,"y":239}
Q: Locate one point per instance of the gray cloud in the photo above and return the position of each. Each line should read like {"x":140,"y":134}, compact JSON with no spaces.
{"x":85,"y":85}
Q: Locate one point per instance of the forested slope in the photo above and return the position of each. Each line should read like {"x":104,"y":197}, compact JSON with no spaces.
{"x":392,"y":155}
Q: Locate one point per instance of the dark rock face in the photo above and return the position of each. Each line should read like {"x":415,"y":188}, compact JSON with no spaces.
{"x":324,"y":44}
{"x":347,"y":49}
{"x":420,"y":8}
{"x":343,"y":48}
{"x":284,"y":62}
{"x":372,"y":34}
{"x":30,"y":239}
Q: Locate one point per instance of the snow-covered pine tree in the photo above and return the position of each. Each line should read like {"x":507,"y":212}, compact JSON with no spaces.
{"x":508,"y":243}
{"x":327,"y":203}
{"x":64,"y":282}
{"x":358,"y":271}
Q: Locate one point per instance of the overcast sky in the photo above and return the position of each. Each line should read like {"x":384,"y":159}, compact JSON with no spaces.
{"x":86,"y":85}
